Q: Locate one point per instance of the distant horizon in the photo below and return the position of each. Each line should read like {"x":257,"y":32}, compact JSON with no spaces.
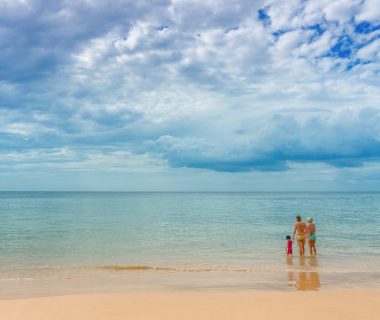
{"x":188,"y":191}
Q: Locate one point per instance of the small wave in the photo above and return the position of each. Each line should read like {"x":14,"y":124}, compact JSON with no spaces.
{"x":170,"y":269}
{"x":16,"y":279}
{"x":125,"y":267}
{"x":185,"y":269}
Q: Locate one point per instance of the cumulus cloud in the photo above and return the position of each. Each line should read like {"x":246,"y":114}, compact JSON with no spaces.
{"x":369,"y":11}
{"x":235,"y":86}
{"x":346,"y":138}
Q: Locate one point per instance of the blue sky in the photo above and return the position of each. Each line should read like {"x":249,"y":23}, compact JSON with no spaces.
{"x":190,"y":95}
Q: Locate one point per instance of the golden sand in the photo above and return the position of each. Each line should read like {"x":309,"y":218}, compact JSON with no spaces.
{"x":334,"y":304}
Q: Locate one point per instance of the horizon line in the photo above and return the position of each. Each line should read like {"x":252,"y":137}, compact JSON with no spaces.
{"x":192,"y":191}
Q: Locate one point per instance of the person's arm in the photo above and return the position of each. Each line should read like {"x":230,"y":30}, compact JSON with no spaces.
{"x":295,"y":230}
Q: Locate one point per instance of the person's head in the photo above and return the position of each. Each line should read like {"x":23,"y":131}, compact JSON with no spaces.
{"x":310,"y":219}
{"x":288,"y":237}
{"x":298,"y":218}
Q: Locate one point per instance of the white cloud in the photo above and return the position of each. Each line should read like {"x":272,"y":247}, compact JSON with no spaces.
{"x":341,"y":10}
{"x":81,"y":160}
{"x":283,"y":13}
{"x":369,"y":11}
{"x":370,"y":52}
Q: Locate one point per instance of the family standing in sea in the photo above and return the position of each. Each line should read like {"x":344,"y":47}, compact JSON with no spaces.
{"x":303,"y":231}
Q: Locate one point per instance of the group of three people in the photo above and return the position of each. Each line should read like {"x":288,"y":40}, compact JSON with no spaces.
{"x":303,"y":231}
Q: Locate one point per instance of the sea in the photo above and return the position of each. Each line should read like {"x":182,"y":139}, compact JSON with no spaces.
{"x":124,"y":235}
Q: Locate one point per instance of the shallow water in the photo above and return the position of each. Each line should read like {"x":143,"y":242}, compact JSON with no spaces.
{"x":47,"y":234}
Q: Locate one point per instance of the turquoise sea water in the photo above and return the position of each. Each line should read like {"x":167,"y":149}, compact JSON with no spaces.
{"x":184,"y":231}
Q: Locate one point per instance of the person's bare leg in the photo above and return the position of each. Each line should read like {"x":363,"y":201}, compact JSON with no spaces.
{"x":312,"y":247}
{"x":299,"y":243}
{"x":303,"y":246}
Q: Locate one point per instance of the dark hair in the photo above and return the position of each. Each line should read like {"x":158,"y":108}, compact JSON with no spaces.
{"x":298,"y":218}
{"x":288,"y":238}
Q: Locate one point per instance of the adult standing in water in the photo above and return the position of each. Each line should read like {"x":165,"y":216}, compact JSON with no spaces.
{"x":311,"y":228}
{"x":300,"y":230}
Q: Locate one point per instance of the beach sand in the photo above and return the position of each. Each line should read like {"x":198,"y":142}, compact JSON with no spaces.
{"x":330,"y":304}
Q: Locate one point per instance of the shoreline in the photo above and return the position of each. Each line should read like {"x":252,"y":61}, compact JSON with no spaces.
{"x":139,"y":281}
{"x":331,"y":304}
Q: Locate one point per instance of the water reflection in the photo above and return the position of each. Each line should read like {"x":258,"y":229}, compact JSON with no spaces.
{"x":303,"y":274}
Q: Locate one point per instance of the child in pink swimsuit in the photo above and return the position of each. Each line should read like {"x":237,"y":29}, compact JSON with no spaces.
{"x":289,"y":246}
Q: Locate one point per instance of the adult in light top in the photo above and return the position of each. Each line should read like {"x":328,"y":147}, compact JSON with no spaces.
{"x":311,"y":229}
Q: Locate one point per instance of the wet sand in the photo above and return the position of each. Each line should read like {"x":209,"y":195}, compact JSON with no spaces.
{"x":333,"y":304}
{"x":93,"y":281}
{"x":142,"y":293}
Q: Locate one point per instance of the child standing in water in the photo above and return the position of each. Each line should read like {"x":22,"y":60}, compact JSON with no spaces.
{"x":289,"y":246}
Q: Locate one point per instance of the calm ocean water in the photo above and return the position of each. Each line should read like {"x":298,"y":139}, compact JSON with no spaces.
{"x":184,"y":231}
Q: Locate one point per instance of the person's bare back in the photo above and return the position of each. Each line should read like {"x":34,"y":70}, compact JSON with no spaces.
{"x":310,"y":228}
{"x":300,"y":229}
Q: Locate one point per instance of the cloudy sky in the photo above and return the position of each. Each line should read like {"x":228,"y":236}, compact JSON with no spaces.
{"x":190,"y":95}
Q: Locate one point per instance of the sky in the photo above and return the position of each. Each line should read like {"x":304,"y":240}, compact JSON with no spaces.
{"x":190,"y":95}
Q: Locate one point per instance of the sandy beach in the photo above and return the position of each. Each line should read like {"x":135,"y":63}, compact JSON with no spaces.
{"x":334,"y":304}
